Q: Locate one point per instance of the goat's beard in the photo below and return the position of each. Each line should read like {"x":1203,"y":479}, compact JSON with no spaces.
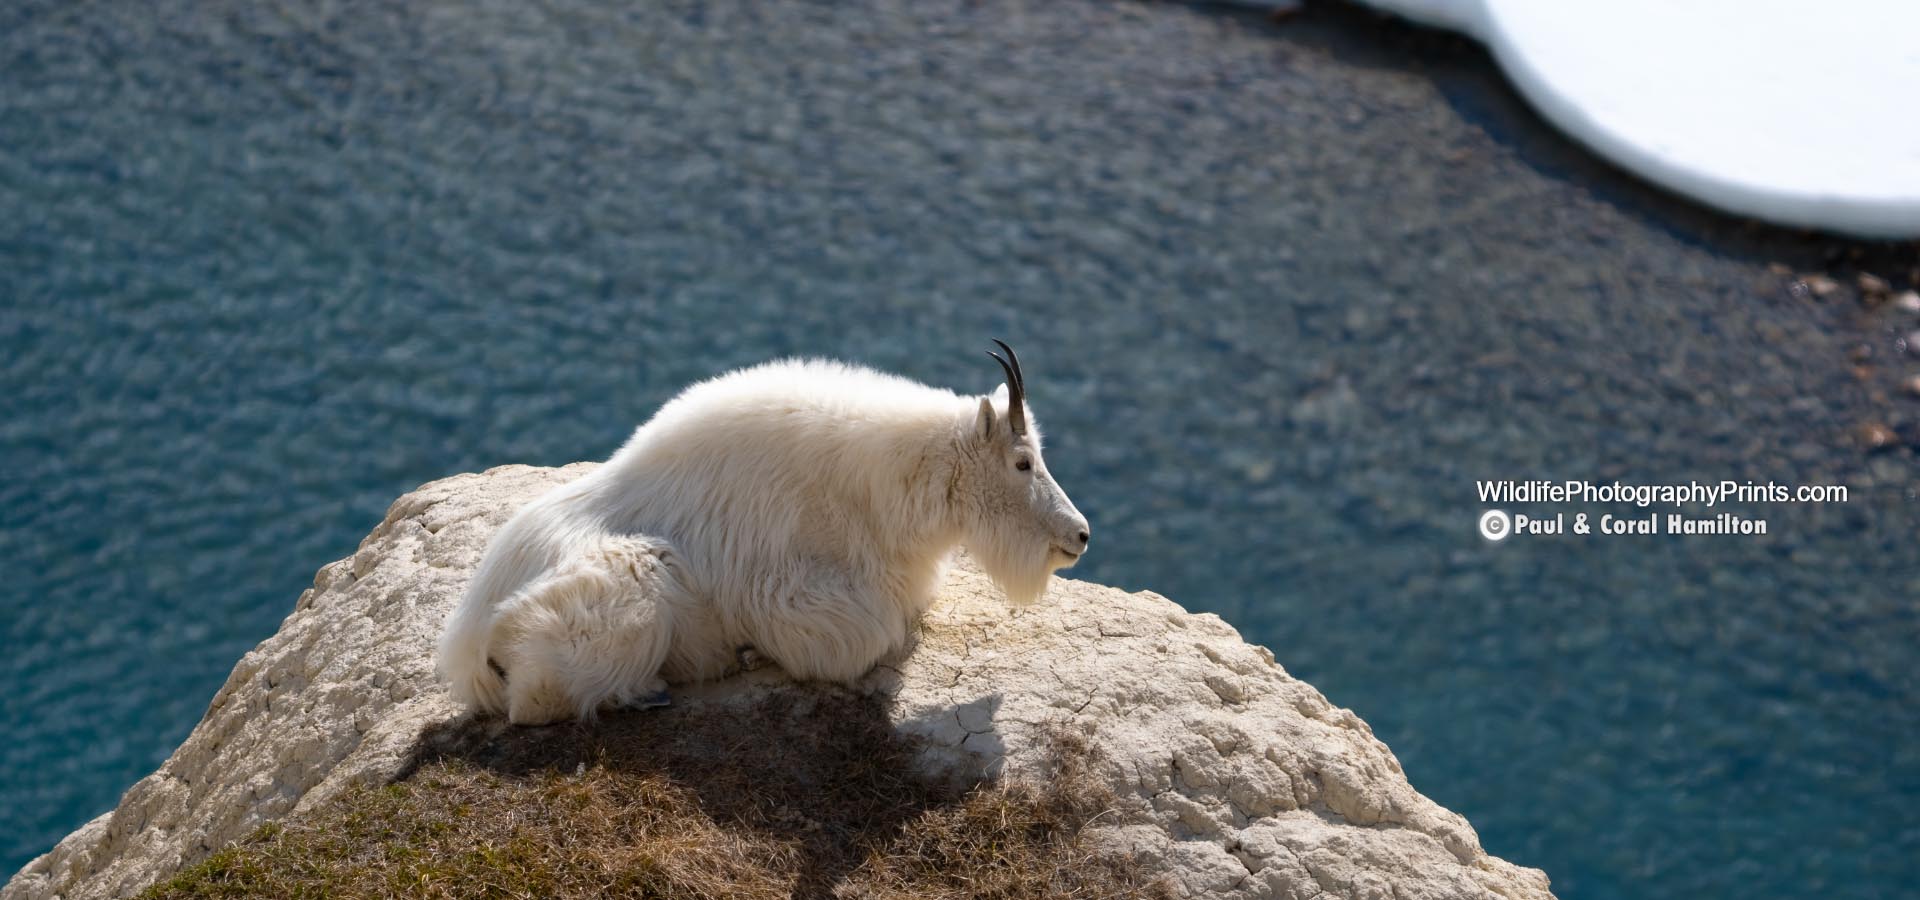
{"x":1020,"y":566}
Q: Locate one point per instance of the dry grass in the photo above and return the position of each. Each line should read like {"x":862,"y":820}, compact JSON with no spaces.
{"x":809,"y":794}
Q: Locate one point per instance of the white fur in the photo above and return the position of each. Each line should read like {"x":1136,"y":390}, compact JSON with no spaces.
{"x":802,"y":508}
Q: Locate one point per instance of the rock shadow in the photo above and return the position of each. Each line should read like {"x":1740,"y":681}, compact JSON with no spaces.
{"x":818,"y":768}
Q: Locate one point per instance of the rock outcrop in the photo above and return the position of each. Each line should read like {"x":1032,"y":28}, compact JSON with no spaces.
{"x":1241,"y":780}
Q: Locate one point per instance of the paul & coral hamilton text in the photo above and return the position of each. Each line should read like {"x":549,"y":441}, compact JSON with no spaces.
{"x":1688,"y":500}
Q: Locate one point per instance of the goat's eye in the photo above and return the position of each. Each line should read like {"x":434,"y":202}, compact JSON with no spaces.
{"x":1024,"y":465}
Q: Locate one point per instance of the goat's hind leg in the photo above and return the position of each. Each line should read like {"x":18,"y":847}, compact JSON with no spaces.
{"x":593,"y":634}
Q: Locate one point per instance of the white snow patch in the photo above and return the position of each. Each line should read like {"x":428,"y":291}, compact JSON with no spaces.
{"x":1798,"y":113}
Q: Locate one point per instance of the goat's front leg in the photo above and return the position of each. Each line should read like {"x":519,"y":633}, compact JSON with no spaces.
{"x":824,"y":627}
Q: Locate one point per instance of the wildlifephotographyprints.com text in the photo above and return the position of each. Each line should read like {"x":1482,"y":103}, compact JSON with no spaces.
{"x":1684,"y":499}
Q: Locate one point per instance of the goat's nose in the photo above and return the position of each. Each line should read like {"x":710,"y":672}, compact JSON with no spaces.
{"x":1084,"y":537}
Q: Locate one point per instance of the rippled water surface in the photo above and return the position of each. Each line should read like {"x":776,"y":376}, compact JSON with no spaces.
{"x":1285,"y":290}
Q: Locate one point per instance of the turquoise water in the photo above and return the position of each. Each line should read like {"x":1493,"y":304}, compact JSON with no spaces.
{"x":1285,"y":292}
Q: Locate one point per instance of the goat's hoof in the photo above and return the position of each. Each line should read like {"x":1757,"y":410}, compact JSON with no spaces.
{"x":654,"y":700}
{"x":750,"y":659}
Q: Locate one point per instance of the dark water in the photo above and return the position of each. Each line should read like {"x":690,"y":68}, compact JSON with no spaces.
{"x":1286,"y":291}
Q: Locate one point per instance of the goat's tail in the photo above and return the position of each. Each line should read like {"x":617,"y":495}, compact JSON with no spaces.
{"x":464,"y":663}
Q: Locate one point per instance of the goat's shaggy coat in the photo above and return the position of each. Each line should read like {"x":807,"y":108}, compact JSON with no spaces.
{"x":804,"y":509}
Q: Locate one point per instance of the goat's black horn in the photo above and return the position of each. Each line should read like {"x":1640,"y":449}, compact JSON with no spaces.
{"x":1018,"y":376}
{"x":1016,"y":388}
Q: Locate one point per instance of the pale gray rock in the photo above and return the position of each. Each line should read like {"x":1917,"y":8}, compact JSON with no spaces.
{"x":1236,"y":780}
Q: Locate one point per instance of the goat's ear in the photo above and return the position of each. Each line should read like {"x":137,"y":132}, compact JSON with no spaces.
{"x":986,"y":418}
{"x":1000,"y":395}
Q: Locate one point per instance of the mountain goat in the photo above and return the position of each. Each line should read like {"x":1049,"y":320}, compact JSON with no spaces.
{"x":803,"y":509}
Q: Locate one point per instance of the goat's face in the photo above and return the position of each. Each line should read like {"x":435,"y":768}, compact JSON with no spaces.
{"x":1021,"y":526}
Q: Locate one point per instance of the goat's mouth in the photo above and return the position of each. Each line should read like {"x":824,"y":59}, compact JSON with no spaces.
{"x":1071,"y":556}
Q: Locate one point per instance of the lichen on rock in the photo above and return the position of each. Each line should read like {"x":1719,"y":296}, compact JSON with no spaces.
{"x":1233,"y":778}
